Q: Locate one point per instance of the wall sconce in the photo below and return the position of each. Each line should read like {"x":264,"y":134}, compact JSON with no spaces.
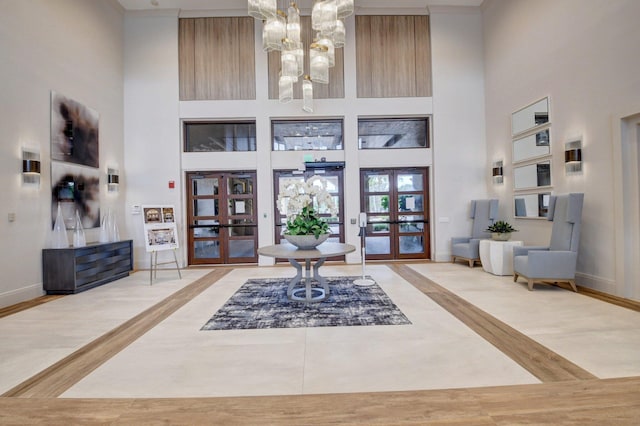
{"x":30,"y":167}
{"x":498,"y":174}
{"x":113,"y":180}
{"x":573,"y":156}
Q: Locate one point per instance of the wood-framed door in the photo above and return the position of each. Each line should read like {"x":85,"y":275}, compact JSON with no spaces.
{"x":335,"y":186}
{"x":396,"y":201}
{"x":222,"y":217}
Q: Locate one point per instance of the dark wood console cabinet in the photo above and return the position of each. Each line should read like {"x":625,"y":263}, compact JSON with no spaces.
{"x":75,"y":269}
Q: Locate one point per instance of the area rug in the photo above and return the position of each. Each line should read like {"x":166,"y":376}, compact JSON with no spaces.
{"x":263,"y":303}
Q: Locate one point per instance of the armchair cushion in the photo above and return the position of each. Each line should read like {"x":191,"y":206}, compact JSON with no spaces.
{"x":545,"y":264}
{"x":466,"y":250}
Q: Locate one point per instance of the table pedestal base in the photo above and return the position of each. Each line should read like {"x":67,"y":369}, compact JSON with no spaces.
{"x":311,"y":294}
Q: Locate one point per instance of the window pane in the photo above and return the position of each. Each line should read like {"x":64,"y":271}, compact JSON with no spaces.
{"x":293,"y":135}
{"x":410,"y":182}
{"x":411,"y":244}
{"x":240,"y":207}
{"x":240,"y":186}
{"x":377,"y":204}
{"x":206,"y":249}
{"x":241,"y":248}
{"x":393,"y":133}
{"x":219,"y":137}
{"x":378,"y":245}
{"x":410,"y":203}
{"x":208,"y":231}
{"x":205,"y":186}
{"x":377,"y":183}
{"x":205,"y":207}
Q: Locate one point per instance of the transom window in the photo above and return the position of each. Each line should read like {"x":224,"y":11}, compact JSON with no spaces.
{"x":313,"y":135}
{"x":393,"y":133}
{"x":219,"y":136}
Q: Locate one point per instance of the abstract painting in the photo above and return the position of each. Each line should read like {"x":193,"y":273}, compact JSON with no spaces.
{"x":75,"y":188}
{"x":74,"y":132}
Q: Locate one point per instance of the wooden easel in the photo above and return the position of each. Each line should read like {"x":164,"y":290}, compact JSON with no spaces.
{"x":153,"y":272}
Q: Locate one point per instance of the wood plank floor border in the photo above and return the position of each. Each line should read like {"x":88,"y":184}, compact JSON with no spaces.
{"x":23,"y":306}
{"x":587,"y":402}
{"x":56,"y":379}
{"x":537,"y":359}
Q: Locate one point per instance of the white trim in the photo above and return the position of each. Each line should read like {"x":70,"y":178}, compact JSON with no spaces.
{"x":21,"y":294}
{"x":625,"y":205}
{"x":594,"y":282}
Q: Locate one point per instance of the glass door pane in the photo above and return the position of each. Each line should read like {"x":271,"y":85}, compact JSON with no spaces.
{"x":395,"y":201}
{"x":377,"y":193}
{"x":222,"y":218}
{"x":334,"y":187}
{"x":241,"y":218}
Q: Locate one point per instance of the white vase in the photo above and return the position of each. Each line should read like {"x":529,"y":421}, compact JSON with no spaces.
{"x":104,"y":228}
{"x":306,"y":242}
{"x":79,"y":239}
{"x":59,"y":237}
{"x":114,"y":232}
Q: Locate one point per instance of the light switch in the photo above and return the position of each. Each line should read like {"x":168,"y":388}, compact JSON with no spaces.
{"x":12,"y":217}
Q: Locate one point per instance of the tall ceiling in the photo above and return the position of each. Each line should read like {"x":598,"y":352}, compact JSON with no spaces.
{"x":303,"y":4}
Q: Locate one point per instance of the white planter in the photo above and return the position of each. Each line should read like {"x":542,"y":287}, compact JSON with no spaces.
{"x":306,"y":242}
{"x":501,"y":236}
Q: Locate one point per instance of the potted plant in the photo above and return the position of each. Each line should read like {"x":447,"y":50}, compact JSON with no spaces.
{"x":501,"y":230}
{"x":302,"y":203}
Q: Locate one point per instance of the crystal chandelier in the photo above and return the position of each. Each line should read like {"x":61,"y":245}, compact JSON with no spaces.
{"x":281,"y":32}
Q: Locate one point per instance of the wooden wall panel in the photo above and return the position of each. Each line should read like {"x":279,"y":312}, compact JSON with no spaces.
{"x":335,"y":88}
{"x":423,"y":56}
{"x":186,"y":53}
{"x":363,"y":57}
{"x":223,"y":61}
{"x":393,"y":56}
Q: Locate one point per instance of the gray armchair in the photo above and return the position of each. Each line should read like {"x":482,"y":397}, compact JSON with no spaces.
{"x":557,"y":262}
{"x":483,"y":213}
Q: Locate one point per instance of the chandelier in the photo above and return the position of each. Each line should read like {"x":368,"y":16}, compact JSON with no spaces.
{"x":281,"y":32}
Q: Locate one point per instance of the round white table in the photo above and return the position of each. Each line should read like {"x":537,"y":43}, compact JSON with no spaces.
{"x":319,"y":254}
{"x":497,"y":256}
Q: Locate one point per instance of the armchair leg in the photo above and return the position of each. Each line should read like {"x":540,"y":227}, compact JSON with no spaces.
{"x":572,"y":283}
{"x":515,"y":277}
{"x":471,"y":263}
{"x":530,"y":284}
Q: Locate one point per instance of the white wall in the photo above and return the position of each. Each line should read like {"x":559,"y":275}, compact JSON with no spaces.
{"x":457,"y":157}
{"x":152,"y":132}
{"x":73,"y":47}
{"x":460,"y":165}
{"x":583,"y":55}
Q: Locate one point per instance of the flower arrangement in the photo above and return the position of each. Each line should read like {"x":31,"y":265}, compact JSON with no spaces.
{"x":301,"y":202}
{"x":501,"y":227}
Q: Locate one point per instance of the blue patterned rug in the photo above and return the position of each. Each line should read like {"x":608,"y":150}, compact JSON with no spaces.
{"x":263,"y":303}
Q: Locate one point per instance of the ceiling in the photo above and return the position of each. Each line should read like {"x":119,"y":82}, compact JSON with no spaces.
{"x":303,"y":4}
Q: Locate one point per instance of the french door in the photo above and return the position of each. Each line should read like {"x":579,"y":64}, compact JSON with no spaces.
{"x":333,"y":177}
{"x":396,"y":202}
{"x":222,"y":217}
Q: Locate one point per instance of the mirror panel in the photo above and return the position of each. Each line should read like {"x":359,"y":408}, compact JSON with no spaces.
{"x":532,"y":146}
{"x":530,"y":117}
{"x":532,"y":205}
{"x":532,"y":175}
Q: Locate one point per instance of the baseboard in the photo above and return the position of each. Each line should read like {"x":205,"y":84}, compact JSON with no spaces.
{"x":21,"y":295}
{"x":443,"y":257}
{"x":594,"y":282}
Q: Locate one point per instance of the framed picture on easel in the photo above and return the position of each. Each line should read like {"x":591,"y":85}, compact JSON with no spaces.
{"x":160,"y":231}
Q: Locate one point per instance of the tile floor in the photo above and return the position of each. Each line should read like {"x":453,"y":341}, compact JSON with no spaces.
{"x":176,"y":359}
